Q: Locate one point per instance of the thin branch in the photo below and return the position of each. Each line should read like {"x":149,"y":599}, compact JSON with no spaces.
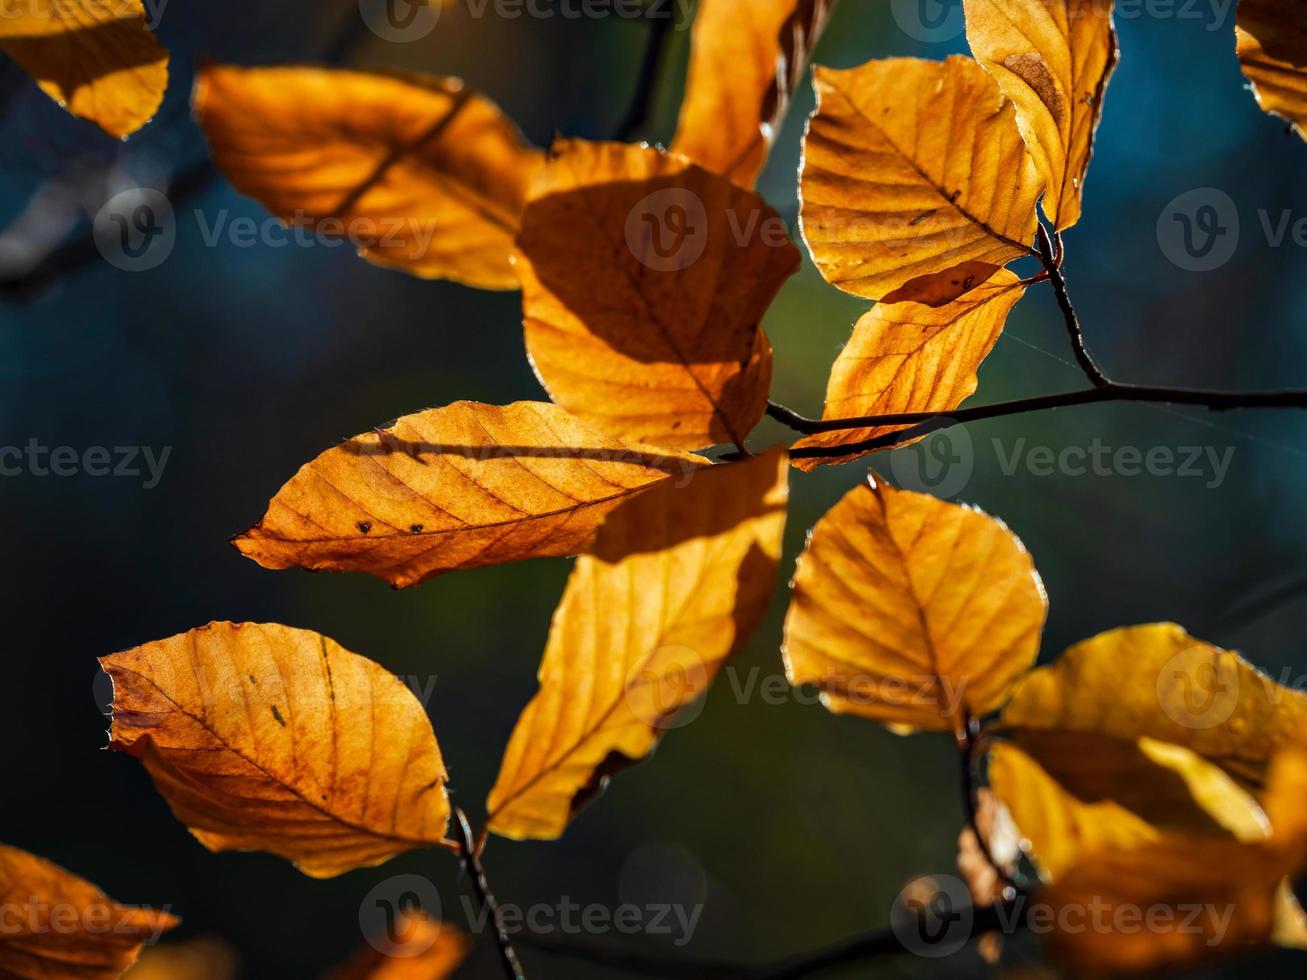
{"x":1051,"y":255}
{"x":967,"y":743}
{"x":641,"y":104}
{"x":472,"y":862}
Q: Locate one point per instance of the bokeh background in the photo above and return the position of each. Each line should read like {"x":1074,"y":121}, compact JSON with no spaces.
{"x":791,"y":827}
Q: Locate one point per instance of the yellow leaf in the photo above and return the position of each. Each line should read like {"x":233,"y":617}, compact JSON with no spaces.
{"x":912,"y":611}
{"x":263,"y":737}
{"x":1272,"y":46}
{"x":907,"y":357}
{"x":678,"y":579}
{"x":420,"y":173}
{"x":455,"y":487}
{"x":96,"y":58}
{"x":205,"y":958}
{"x":745,"y":59}
{"x":1070,"y":793}
{"x":420,"y":949}
{"x":58,"y":925}
{"x":644,"y":279}
{"x":912,"y":168}
{"x":1158,"y":682}
{"x":1053,"y":59}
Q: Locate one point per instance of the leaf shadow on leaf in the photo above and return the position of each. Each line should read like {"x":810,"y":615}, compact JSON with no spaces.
{"x":34,"y":51}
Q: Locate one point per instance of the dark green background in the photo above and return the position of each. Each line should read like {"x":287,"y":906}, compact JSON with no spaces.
{"x":795,"y":827}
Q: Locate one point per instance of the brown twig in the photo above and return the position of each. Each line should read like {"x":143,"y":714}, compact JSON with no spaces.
{"x":1052,"y":255}
{"x":481,"y":886}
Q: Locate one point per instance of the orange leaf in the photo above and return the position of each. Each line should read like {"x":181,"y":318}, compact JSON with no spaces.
{"x":745,"y":60}
{"x":58,"y":925}
{"x":912,"y":168}
{"x":455,"y":487}
{"x":644,"y":279}
{"x":421,"y":949}
{"x":419,"y":172}
{"x":907,"y":357}
{"x":678,"y":579}
{"x":263,"y":737}
{"x":204,"y":958}
{"x":1272,"y":46}
{"x":96,"y":58}
{"x":912,"y":611}
{"x":1053,"y":59}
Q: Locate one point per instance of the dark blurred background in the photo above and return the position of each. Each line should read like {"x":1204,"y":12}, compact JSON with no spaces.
{"x":791,"y":827}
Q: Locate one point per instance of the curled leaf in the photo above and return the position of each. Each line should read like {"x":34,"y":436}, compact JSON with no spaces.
{"x":678,"y":579}
{"x":644,"y":281}
{"x":419,"y":172}
{"x":1272,"y":46}
{"x":416,"y":947}
{"x":912,"y":611}
{"x":59,"y":925}
{"x":264,"y":737}
{"x":455,"y":487}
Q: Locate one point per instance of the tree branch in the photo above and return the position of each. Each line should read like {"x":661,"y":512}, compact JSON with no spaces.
{"x":1052,"y":259}
{"x":467,"y":847}
{"x":966,"y":738}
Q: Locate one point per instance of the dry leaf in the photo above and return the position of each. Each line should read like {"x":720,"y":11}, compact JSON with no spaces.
{"x":455,"y":487}
{"x":96,"y":58}
{"x":678,"y":579}
{"x":205,"y":958}
{"x":745,"y":60}
{"x":57,"y":925}
{"x":908,"y":357}
{"x":1158,"y":682}
{"x":644,"y":281}
{"x":912,"y":611}
{"x":417,"y":171}
{"x":420,"y":949}
{"x":912,"y":168}
{"x":1053,"y":59}
{"x":263,"y":737}
{"x":1272,"y":46}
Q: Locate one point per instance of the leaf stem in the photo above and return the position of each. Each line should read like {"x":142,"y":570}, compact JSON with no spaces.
{"x":1051,"y":255}
{"x":468,"y":851}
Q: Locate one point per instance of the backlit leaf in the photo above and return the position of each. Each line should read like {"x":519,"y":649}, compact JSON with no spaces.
{"x":263,"y":737}
{"x":1272,"y":45}
{"x":908,"y":357}
{"x":1053,"y":59}
{"x":1158,"y":682}
{"x":912,"y":611}
{"x":912,"y":168}
{"x":455,"y":487}
{"x":59,"y":925}
{"x":203,"y":958}
{"x":679,"y":578}
{"x":644,"y":279}
{"x":96,"y":58}
{"x":416,"y":947}
{"x":745,"y":60}
{"x":420,"y":173}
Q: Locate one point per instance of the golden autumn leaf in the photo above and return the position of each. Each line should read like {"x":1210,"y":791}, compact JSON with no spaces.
{"x":678,"y":579}
{"x":59,"y":925}
{"x":455,"y":487}
{"x":745,"y":60}
{"x":420,"y":949}
{"x":1272,"y":46}
{"x":264,"y":737}
{"x":909,"y":357}
{"x":644,"y":281}
{"x":1158,"y":682}
{"x":96,"y":58}
{"x":1070,"y":793}
{"x":912,"y":611}
{"x":1053,"y":59}
{"x":417,"y":171}
{"x":204,"y":958}
{"x":912,"y":168}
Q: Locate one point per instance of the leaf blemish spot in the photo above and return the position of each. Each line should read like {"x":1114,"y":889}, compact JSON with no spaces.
{"x":277,"y":714}
{"x":364,"y":526}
